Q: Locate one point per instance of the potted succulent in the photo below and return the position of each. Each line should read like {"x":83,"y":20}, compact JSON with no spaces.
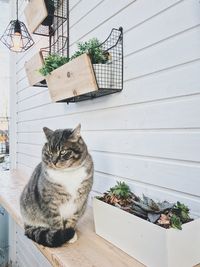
{"x":76,"y":75}
{"x":155,"y":233}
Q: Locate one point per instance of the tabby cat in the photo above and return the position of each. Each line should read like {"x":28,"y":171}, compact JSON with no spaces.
{"x":57,"y":192}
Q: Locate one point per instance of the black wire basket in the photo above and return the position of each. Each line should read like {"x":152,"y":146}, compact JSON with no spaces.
{"x":58,"y":13}
{"x":109,"y":76}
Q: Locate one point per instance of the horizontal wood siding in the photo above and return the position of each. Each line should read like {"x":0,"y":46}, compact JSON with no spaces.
{"x":149,"y":134}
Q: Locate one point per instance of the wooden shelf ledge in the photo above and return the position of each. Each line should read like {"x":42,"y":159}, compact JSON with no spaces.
{"x":89,"y":251}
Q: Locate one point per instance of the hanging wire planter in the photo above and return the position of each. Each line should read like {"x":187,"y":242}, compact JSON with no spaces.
{"x":51,"y":14}
{"x":109,"y":76}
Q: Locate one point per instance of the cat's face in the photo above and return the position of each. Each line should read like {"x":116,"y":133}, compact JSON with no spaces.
{"x":64,"y":148}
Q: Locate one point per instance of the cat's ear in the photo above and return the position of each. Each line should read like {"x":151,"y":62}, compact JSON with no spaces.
{"x":76,"y":133}
{"x":48,"y":132}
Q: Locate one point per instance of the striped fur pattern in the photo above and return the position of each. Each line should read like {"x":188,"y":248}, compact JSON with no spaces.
{"x":56,"y":195}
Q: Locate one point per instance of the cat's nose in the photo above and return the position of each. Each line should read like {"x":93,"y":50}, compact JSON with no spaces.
{"x":54,"y":160}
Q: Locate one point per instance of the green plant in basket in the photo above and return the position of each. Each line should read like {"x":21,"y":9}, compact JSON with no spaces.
{"x":94,"y":49}
{"x":51,"y":63}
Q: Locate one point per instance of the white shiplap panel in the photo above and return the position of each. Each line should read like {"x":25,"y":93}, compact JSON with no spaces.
{"x":104,"y":182}
{"x":108,"y":10}
{"x":170,"y":145}
{"x":176,"y":113}
{"x":173,"y":175}
{"x":82,"y":10}
{"x":149,"y":133}
{"x":158,"y":86}
{"x":161,"y":33}
{"x":170,"y":22}
{"x":147,"y":169}
{"x":151,"y":26}
{"x":172,"y":52}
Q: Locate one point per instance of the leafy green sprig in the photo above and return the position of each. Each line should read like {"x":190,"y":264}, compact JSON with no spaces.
{"x":92,"y":47}
{"x":51,"y":63}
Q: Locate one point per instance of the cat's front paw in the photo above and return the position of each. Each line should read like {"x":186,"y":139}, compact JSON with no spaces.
{"x":74,"y":239}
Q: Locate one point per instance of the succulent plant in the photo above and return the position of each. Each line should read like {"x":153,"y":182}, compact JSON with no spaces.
{"x":164,"y":214}
{"x":182,"y":212}
{"x":148,"y":208}
{"x":176,"y":222}
{"x":119,"y":195}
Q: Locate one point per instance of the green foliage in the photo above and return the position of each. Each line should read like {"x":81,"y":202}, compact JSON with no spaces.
{"x":148,"y":208}
{"x":176,"y":222}
{"x":182,"y":212}
{"x":51,"y":63}
{"x":120,"y":190}
{"x":92,"y":47}
{"x":164,"y":214}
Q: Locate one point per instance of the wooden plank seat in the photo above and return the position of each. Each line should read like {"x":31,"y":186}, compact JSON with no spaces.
{"x":89,"y":251}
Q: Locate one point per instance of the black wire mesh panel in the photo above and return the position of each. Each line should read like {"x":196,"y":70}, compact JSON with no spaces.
{"x":58,"y":11}
{"x":109,"y":76}
{"x":59,"y":32}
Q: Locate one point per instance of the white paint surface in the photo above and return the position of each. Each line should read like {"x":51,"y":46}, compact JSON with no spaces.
{"x":147,"y":135}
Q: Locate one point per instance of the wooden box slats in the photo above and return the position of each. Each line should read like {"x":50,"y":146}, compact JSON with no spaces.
{"x":35,"y":13}
{"x":72,"y":79}
{"x":32,"y":66}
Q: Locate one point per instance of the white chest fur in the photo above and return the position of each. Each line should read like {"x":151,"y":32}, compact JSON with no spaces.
{"x":71,"y":180}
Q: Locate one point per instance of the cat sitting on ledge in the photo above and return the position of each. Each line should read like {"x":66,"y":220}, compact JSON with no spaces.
{"x":57,"y":192}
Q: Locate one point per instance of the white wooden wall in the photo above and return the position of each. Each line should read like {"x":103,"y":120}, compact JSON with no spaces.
{"x":149,"y":134}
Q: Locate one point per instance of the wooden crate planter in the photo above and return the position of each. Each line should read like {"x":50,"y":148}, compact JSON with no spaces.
{"x":72,"y":79}
{"x":44,"y":17}
{"x":150,"y":244}
{"x":35,"y":13}
{"x":32,"y":66}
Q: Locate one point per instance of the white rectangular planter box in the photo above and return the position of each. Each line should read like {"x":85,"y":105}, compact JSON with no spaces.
{"x":150,"y":244}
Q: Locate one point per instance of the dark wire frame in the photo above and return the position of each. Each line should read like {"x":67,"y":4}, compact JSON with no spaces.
{"x":13,"y":27}
{"x":109,"y":76}
{"x":58,"y":14}
{"x":58,"y":33}
{"x":6,"y":38}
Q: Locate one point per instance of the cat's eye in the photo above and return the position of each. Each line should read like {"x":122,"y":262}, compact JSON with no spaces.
{"x":64,"y":151}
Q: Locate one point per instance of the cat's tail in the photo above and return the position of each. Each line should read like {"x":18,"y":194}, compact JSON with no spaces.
{"x":49,"y":237}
